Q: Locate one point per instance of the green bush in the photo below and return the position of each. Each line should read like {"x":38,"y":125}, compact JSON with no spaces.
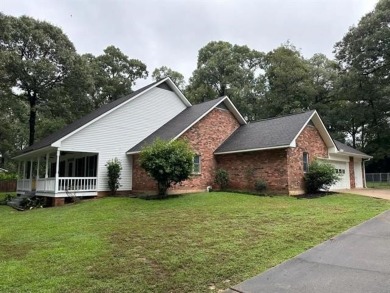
{"x":114,"y":168}
{"x":260,"y":185}
{"x":222,"y":178}
{"x":321,"y":175}
{"x":7,"y":176}
{"x":6,"y":199}
{"x":167,"y":163}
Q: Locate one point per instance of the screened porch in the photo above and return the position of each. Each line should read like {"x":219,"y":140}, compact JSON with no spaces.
{"x":58,"y":174}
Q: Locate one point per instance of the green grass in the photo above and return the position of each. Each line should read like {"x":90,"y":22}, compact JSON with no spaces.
{"x":379,"y":185}
{"x":183,"y":244}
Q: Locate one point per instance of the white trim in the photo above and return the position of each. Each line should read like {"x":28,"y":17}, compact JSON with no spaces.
{"x":328,"y":137}
{"x":28,"y":154}
{"x":354,"y":155}
{"x":253,"y":150}
{"x":167,"y":79}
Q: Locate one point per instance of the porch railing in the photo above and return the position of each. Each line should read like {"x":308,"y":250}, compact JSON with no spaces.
{"x":24,"y":185}
{"x":77,"y":184}
{"x":46,"y":184}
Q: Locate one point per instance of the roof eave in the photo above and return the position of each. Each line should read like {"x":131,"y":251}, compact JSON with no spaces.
{"x":253,"y":150}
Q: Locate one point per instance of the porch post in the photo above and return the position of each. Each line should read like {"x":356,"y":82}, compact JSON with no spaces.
{"x":18,"y":169}
{"x":57,"y":170}
{"x":47,"y":166}
{"x":24,"y":170}
{"x":31,"y":172}
{"x":38,"y":161}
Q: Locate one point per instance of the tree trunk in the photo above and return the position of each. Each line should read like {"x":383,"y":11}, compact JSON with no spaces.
{"x":33,"y":115}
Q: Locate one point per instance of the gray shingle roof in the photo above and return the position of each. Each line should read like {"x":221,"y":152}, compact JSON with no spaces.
{"x":177,"y":125}
{"x":47,"y":141}
{"x":267,"y":133}
{"x":343,"y":147}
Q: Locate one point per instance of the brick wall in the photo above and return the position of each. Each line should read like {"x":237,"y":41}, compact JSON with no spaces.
{"x":352,"y":172}
{"x":245,"y":168}
{"x":311,"y":142}
{"x":204,"y":137}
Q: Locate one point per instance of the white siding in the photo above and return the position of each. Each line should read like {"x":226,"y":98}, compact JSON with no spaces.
{"x":113,"y":135}
{"x":358,"y":173}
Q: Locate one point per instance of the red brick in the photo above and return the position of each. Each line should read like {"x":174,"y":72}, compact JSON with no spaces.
{"x":352,"y":172}
{"x":204,"y":137}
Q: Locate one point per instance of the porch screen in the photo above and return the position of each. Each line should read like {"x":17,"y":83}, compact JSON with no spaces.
{"x":91,"y":166}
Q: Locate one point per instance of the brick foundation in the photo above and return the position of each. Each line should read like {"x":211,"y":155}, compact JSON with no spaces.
{"x":57,"y":201}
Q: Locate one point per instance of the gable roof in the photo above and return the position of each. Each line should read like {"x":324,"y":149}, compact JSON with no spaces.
{"x":105,"y":109}
{"x":271,"y":133}
{"x":343,"y":148}
{"x":186,"y":119}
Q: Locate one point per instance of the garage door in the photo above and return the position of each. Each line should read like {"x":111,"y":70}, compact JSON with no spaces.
{"x":342,"y":168}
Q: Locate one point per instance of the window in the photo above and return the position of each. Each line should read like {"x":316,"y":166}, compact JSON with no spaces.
{"x":196,"y":167}
{"x":305,"y":162}
{"x":80,"y":167}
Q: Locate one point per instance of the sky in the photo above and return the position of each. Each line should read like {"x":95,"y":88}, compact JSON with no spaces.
{"x":171,"y":32}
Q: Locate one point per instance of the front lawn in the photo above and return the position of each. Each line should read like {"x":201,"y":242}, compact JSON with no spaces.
{"x":194,"y":243}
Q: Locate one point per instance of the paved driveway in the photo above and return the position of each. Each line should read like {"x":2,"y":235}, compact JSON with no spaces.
{"x":372,"y":192}
{"x":357,"y":260}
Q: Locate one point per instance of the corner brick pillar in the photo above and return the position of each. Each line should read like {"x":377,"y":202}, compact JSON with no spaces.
{"x":352,"y":172}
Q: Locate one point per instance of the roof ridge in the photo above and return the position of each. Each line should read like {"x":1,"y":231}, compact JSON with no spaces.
{"x":283,"y":116}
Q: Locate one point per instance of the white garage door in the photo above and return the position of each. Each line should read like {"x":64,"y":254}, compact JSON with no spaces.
{"x":342,"y":169}
{"x":358,"y":173}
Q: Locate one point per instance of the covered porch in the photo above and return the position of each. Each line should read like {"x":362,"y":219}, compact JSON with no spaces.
{"x":57,"y":173}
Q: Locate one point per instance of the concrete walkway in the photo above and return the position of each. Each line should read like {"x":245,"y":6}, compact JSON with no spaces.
{"x":357,"y":260}
{"x":372,"y":192}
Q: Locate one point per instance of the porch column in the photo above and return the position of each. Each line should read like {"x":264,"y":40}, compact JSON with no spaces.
{"x":24,"y":170}
{"x":31,"y":173}
{"x":38,"y":161}
{"x":57,"y":171}
{"x":18,"y":169}
{"x":47,"y":166}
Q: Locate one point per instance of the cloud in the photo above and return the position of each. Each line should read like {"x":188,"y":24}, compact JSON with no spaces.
{"x":171,"y":32}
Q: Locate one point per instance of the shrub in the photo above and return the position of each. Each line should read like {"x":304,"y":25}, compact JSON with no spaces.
{"x":114,"y":168}
{"x":222,"y":178}
{"x":6,"y":199}
{"x":7,"y":176}
{"x":167,"y":163}
{"x":321,"y":175}
{"x":260,"y":185}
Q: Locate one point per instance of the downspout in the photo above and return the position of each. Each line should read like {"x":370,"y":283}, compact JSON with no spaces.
{"x":364,"y":172}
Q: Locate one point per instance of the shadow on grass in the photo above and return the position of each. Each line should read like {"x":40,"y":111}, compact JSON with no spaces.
{"x":315,"y":195}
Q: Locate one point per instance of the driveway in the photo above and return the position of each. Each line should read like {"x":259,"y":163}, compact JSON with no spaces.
{"x":357,"y":260}
{"x":372,"y":192}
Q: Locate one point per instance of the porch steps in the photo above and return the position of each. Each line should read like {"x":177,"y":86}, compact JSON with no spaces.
{"x":16,"y":202}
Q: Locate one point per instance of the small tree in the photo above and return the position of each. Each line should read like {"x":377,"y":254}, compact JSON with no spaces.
{"x":114,"y":168}
{"x":321,"y":175}
{"x":167,"y":163}
{"x":222,"y":178}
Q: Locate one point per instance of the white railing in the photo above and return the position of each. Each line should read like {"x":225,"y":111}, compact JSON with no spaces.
{"x":46,"y":184}
{"x":24,"y":185}
{"x":77,"y":184}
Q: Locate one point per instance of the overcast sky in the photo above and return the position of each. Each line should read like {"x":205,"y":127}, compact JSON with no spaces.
{"x":170,"y":33}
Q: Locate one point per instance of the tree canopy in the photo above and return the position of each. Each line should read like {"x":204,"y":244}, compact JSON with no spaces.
{"x":45,"y":84}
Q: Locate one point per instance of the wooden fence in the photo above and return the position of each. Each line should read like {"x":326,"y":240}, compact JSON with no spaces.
{"x":8,"y":185}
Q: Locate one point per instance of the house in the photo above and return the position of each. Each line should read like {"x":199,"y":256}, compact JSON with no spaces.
{"x":72,"y":161}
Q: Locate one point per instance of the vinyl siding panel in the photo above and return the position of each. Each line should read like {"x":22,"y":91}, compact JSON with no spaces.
{"x":111,"y":136}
